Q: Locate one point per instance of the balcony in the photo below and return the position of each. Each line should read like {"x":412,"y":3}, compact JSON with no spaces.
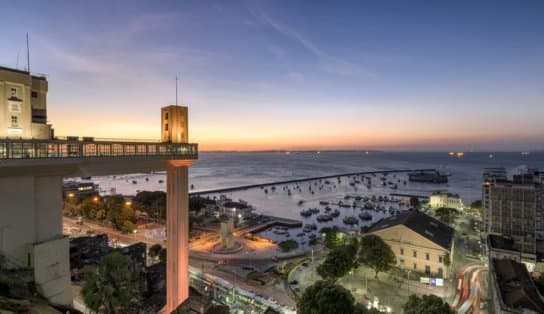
{"x":11,"y":149}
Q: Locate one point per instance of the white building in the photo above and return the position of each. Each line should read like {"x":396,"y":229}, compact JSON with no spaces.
{"x":445,"y":199}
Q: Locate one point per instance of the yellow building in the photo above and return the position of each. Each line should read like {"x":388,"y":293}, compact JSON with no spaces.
{"x":23,"y":105}
{"x":175,"y":124}
{"x":420,"y":242}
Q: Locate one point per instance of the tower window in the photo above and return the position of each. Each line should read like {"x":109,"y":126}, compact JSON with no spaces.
{"x":34,"y":94}
{"x":166,"y":116}
{"x":13,"y":121}
{"x":13,"y":92}
{"x":166,"y":127}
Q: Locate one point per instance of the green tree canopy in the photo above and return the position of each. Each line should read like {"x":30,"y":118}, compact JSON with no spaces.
{"x":325,"y":297}
{"x":361,"y":309}
{"x":376,"y":254}
{"x":155,"y":250}
{"x":427,"y":304}
{"x":446,"y":215}
{"x":196,"y":203}
{"x":288,"y":245}
{"x":333,"y":237}
{"x":111,"y":285}
{"x":414,"y":202}
{"x":337,"y":263}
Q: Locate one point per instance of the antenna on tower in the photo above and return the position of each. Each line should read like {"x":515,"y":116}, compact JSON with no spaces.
{"x":17,"y":63}
{"x":27,"y":54}
{"x":176,"y":90}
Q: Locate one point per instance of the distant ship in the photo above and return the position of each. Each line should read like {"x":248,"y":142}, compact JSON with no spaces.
{"x":428,"y":177}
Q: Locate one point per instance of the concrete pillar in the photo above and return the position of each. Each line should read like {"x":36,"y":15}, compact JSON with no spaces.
{"x":177,"y":233}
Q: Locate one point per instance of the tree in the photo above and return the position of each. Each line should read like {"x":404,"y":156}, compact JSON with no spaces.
{"x":376,"y":254}
{"x":447,"y":260}
{"x":196,"y":203}
{"x":325,"y":297}
{"x":414,"y":202}
{"x":162,"y":255}
{"x":361,"y":309}
{"x":337,"y":264}
{"x":127,"y":226}
{"x":111,"y":285}
{"x":155,"y":250}
{"x":333,"y":237}
{"x":427,"y":304}
{"x":288,"y":245}
{"x":446,"y":215}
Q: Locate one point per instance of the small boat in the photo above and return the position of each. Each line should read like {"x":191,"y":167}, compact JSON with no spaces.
{"x":300,"y":202}
{"x":324,"y":218}
{"x":305,"y":213}
{"x":350,"y":220}
{"x":323,"y":203}
{"x":365,"y":216}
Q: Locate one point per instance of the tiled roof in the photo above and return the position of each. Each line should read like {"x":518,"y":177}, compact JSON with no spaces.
{"x":423,"y":224}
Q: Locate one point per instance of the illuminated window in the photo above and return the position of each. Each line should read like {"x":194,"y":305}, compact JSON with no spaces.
{"x":13,"y":121}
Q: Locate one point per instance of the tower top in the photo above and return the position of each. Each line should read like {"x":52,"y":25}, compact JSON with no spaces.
{"x":175,"y":124}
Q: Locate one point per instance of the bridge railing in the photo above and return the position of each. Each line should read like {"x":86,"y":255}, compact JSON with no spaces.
{"x":43,"y":149}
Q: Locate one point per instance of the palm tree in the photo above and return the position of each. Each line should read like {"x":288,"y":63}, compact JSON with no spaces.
{"x":113,"y":284}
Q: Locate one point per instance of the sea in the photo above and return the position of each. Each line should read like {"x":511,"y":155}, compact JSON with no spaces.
{"x":215,"y":170}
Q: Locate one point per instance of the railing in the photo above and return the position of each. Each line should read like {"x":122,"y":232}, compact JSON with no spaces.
{"x":49,"y":149}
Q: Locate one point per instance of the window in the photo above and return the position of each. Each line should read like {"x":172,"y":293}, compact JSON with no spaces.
{"x":415,"y":253}
{"x":166,"y":116}
{"x":13,"y":121}
{"x":440,"y":259}
{"x":34,"y":94}
{"x":13,"y":92}
{"x":415,"y":266}
{"x":427,"y":256}
{"x":166,"y":127}
{"x":401,"y":251}
{"x":427,"y":269}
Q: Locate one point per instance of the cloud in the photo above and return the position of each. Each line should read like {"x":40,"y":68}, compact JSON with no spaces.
{"x":327,"y":62}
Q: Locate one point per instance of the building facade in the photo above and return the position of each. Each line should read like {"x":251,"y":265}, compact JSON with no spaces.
{"x":421,"y":243}
{"x":440,"y":199}
{"x":23,"y":105}
{"x":514,"y":208}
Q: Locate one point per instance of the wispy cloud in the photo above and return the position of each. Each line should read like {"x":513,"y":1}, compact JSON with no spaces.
{"x":326,"y":61}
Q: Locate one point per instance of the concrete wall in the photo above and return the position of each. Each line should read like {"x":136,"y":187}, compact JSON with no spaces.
{"x":404,"y":242}
{"x":52,"y":270}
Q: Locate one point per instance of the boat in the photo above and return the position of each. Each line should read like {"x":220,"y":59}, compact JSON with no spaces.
{"x":324,"y":218}
{"x":305,"y":213}
{"x":300,"y":202}
{"x":365,"y":216}
{"x":350,"y":220}
{"x":335,"y":213}
{"x":427,"y":177}
{"x":323,"y":203}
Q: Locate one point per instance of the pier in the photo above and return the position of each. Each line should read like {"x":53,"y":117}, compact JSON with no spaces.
{"x":410,"y":195}
{"x":251,"y":186}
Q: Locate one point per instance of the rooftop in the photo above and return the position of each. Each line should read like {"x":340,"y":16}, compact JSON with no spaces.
{"x":516,"y":288}
{"x":499,"y":242}
{"x":34,"y":75}
{"x":423,"y":224}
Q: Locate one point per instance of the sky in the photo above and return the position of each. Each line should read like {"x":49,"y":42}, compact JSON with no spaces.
{"x":260,"y":75}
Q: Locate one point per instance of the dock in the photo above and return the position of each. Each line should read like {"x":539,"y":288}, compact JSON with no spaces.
{"x":259,"y":185}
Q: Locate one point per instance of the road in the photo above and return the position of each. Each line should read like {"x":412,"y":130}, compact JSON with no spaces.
{"x":470,"y":289}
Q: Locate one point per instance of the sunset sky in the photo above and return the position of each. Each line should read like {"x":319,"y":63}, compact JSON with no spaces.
{"x":394,"y":75}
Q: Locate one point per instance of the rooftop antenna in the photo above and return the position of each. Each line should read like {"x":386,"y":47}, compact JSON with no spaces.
{"x":176,"y":90}
{"x":27,"y":54}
